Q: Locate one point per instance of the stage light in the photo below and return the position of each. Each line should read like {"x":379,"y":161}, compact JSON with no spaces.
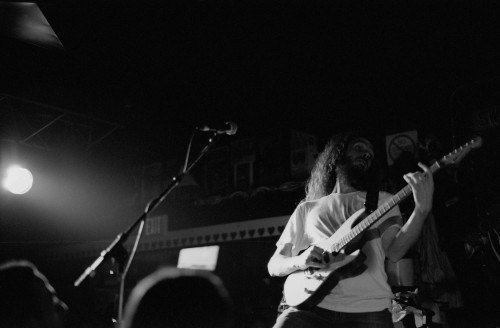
{"x":18,"y":180}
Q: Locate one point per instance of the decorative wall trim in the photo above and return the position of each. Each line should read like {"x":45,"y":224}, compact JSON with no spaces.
{"x":209,"y":235}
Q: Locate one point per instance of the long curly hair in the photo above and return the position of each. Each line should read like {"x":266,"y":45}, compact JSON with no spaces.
{"x":323,"y":177}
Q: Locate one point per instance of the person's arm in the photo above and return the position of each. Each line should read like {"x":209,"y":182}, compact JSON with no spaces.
{"x":397,"y":242}
{"x":282,"y":262}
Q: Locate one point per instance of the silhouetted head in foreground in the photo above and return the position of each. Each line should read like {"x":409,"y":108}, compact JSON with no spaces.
{"x":172,"y":297}
{"x":27,"y":299}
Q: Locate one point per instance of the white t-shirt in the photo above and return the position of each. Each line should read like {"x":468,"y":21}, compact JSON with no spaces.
{"x":314,"y":221}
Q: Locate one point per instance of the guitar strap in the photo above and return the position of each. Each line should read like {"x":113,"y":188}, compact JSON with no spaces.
{"x":371,"y":202}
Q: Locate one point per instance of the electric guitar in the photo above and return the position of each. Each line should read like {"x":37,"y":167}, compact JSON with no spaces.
{"x":305,"y":289}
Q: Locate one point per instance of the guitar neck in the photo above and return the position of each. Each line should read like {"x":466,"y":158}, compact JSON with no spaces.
{"x":390,"y":203}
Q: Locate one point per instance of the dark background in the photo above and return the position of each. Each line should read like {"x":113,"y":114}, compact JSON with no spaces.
{"x":150,"y":72}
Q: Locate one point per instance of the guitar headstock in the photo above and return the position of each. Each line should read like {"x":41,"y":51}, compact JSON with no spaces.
{"x":458,"y":154}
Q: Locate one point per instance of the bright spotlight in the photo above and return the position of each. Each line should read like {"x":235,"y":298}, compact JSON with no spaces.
{"x":18,"y":180}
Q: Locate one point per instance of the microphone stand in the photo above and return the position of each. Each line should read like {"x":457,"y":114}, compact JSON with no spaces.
{"x":115,"y":249}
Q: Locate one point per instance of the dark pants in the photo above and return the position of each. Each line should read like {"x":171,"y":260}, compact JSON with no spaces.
{"x":319,"y":318}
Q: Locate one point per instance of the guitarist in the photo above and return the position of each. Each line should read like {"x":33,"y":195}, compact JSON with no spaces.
{"x":335,"y":190}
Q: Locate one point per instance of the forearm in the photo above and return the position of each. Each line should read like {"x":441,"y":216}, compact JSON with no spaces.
{"x":407,"y":235}
{"x":280,"y":265}
{"x":422,"y":186}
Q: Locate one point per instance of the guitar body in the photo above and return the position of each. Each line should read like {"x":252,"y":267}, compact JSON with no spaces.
{"x":305,"y":289}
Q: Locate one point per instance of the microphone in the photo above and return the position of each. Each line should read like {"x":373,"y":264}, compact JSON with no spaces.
{"x":229,"y":128}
